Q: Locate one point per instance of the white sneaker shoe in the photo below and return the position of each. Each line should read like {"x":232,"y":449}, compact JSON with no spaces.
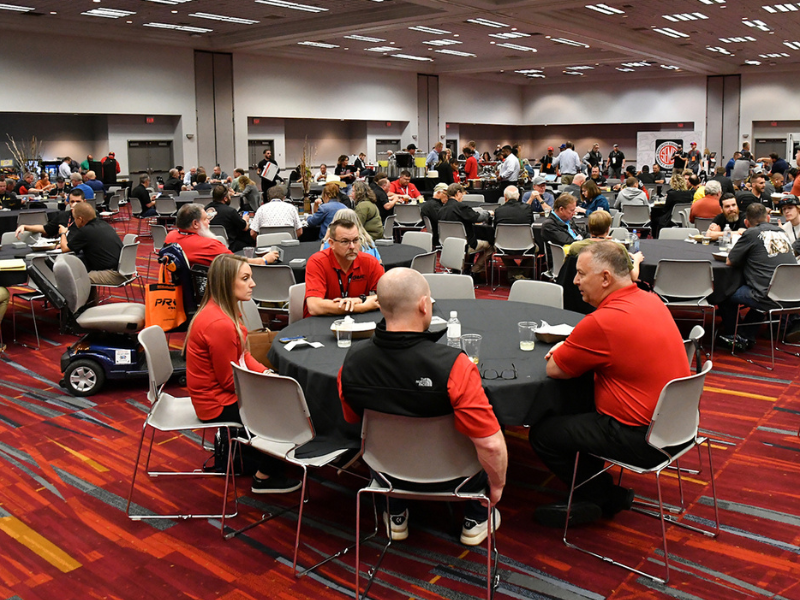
{"x":474,"y":533}
{"x":399,"y":525}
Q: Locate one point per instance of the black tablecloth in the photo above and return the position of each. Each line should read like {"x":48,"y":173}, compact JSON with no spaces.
{"x":9,"y":278}
{"x":726,"y":279}
{"x":490,"y":196}
{"x":522,"y":401}
{"x":8,"y":218}
{"x":396,"y":255}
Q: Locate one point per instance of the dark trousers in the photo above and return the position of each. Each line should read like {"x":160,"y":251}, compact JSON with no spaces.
{"x":729,"y":307}
{"x":268,"y":465}
{"x":473,"y":509}
{"x":556,"y":439}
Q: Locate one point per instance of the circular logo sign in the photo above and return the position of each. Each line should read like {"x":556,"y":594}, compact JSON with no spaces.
{"x":664,"y":154}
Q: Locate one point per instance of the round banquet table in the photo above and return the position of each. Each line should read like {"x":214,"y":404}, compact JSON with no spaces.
{"x":521,"y":401}
{"x":396,"y":255}
{"x":8,"y":218}
{"x":726,"y":279}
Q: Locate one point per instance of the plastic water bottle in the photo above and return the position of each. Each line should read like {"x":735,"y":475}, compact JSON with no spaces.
{"x":634,"y":242}
{"x":454,"y":331}
{"x":726,"y":239}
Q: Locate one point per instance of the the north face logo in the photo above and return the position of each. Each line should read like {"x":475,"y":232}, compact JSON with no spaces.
{"x":424,"y":382}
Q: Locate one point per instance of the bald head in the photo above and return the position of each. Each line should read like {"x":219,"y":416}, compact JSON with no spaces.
{"x":404,"y":297}
{"x":579,"y":179}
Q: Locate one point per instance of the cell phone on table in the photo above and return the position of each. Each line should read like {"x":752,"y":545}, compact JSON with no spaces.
{"x":286,"y":340}
{"x":245,"y":213}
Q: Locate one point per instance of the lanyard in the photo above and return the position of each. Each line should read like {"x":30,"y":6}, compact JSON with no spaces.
{"x":567,"y":223}
{"x":342,"y":290}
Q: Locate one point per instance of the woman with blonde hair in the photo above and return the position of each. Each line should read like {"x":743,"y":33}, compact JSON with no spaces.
{"x":367,"y":209}
{"x":251,"y":197}
{"x":366,"y":243}
{"x":216,"y":337}
{"x":679,"y":193}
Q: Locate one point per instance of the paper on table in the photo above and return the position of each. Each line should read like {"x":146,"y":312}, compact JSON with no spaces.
{"x":562,"y":329}
{"x":291,"y":345}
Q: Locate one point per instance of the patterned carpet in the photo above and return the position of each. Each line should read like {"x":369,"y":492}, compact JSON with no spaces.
{"x":67,"y":462}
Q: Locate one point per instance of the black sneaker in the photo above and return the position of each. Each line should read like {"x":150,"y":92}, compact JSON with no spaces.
{"x":555,"y":515}
{"x":731,"y":343}
{"x":274,"y":485}
{"x":619,"y":499}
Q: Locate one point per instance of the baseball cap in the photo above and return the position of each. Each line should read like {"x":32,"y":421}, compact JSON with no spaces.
{"x":616,"y":145}
{"x":411,"y":147}
{"x":562,"y":146}
{"x":440,"y":187}
{"x":539,"y":180}
{"x":694,"y":144}
{"x":550,"y":148}
{"x":788,"y":201}
{"x":111,"y":154}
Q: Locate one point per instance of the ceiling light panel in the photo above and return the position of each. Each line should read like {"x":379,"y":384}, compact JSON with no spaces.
{"x":412,"y":57}
{"x":712,"y":2}
{"x":756,"y":24}
{"x":604,"y":9}
{"x":737,"y":40}
{"x":454,"y":52}
{"x":509,"y":35}
{"x":569,"y":42}
{"x":677,"y":18}
{"x":580,"y":68}
{"x":382,"y":49}
{"x":172,"y":2}
{"x":670,"y":32}
{"x":625,"y":70}
{"x":430,"y":30}
{"x":719,"y":49}
{"x":223,"y":18}
{"x":317,"y":44}
{"x":752,"y":62}
{"x":517,"y":47}
{"x":774,"y":55}
{"x":487,"y":23}
{"x":641,"y":63}
{"x":528,"y":71}
{"x":108,"y":13}
{"x":442,"y":42}
{"x":364,"y":38}
{"x":670,"y":67}
{"x":293,"y":5}
{"x":185,"y":28}
{"x":16,"y":8}
{"x":792,"y":45}
{"x":782,"y":8}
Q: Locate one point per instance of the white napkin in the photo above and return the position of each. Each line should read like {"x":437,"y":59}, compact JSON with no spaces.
{"x":292,"y":345}
{"x":562,"y":329}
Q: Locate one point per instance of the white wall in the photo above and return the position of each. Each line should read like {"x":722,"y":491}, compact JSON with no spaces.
{"x":472,"y":101}
{"x":768,"y":97}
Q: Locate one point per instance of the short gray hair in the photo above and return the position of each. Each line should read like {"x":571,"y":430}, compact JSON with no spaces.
{"x":76,"y":177}
{"x":144,"y":178}
{"x":511,"y":193}
{"x":188,"y":214}
{"x":609,"y":255}
{"x":713,"y":188}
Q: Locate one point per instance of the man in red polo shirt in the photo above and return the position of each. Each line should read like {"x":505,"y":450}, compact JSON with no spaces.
{"x":634,"y":348}
{"x":402,"y":186}
{"x":198,"y":243}
{"x":340,"y":279}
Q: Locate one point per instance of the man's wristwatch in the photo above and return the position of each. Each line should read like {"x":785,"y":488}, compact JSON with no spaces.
{"x":363,"y":298}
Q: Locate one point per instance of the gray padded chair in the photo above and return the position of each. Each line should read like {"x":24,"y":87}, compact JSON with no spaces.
{"x":279,"y":229}
{"x":447,"y":286}
{"x":420,"y":239}
{"x":537,"y":292}
{"x":273,"y":283}
{"x":297,"y":297}
{"x":677,"y":233}
{"x":272,"y":239}
{"x":424,"y":263}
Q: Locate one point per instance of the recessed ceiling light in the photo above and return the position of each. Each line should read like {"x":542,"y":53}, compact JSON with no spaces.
{"x":213,"y":17}
{"x":293,"y":5}
{"x":572,"y":73}
{"x":670,"y":67}
{"x":16,"y":8}
{"x":454,"y":52}
{"x":174,"y":12}
{"x":569,"y":42}
{"x":509,"y":35}
{"x":364,"y":38}
{"x":317,"y":44}
{"x":169,"y":1}
{"x":792,"y":45}
{"x":430,"y":30}
{"x":412,"y":57}
{"x":719,"y":49}
{"x":605,"y":9}
{"x":516,"y":47}
{"x":528,"y":71}
{"x":755,"y":63}
{"x":108,"y":13}
{"x":781,"y":8}
{"x":756,"y":24}
{"x":580,"y":68}
{"x":774,"y":55}
{"x":487,"y":23}
{"x":178,"y":27}
{"x":382,"y":49}
{"x":625,"y":69}
{"x":641,"y":63}
{"x":696,"y":16}
{"x":535,"y":75}
{"x":713,"y":1}
{"x":52,"y":12}
{"x":737,"y":40}
{"x":670,"y":32}
{"x":442,"y":42}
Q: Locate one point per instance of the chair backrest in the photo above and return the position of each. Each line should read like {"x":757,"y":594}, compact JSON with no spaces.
{"x":701,"y":224}
{"x":419,"y":450}
{"x":692,"y":345}
{"x":453,"y":252}
{"x":684,"y":216}
{"x":616,"y":219}
{"x":166,"y":205}
{"x":188,"y":194}
{"x":159,"y":233}
{"x":219,"y":231}
{"x":677,"y":209}
{"x":279,"y":229}
{"x":420,"y":239}
{"x":273,"y":407}
{"x":785,"y":284}
{"x":72,"y":280}
{"x":388,"y":227}
{"x":424,"y":263}
{"x":32,"y":217}
{"x":156,"y":351}
{"x":297,"y":296}
{"x":473,"y":198}
{"x":684,"y":279}
{"x":40,"y":262}
{"x":9,"y":238}
{"x":635,"y":214}
{"x":113,"y":203}
{"x":675,"y":417}
{"x":676,"y":233}
{"x":136,"y":205}
{"x":407,"y":214}
{"x":619,"y":233}
{"x":448,"y":229}
{"x":448,"y":286}
{"x":127,"y":259}
{"x":169,"y":193}
{"x":557,"y":254}
{"x":130,"y":238}
{"x":537,"y":292}
{"x":272,"y":282}
{"x":91,"y":202}
{"x":271,"y":239}
{"x":514,"y":237}
{"x":250,"y":315}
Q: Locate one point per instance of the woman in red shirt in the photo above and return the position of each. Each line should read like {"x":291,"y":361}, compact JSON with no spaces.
{"x":216,"y":337}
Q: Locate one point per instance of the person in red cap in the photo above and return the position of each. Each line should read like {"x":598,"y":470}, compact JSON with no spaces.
{"x":694,"y":157}
{"x":547,"y":165}
{"x":110,"y":169}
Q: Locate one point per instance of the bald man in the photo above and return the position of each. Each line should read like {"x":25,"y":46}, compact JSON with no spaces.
{"x":402,"y":370}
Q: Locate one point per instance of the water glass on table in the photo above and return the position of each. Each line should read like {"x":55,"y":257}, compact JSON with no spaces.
{"x":527,"y":335}
{"x":471,"y":344}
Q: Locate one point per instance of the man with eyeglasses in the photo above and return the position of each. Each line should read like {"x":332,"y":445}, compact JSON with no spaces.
{"x":401,"y":370}
{"x":341,"y":280}
{"x":56,"y":222}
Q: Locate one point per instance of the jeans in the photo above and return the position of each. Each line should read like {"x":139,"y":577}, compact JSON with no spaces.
{"x":729,"y":307}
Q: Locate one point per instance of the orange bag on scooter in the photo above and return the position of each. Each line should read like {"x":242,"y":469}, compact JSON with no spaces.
{"x":163,"y":303}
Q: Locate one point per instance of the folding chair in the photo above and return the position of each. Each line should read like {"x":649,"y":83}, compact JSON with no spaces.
{"x":273,"y":283}
{"x":127,"y":268}
{"x":557,"y":260}
{"x":159,"y":235}
{"x":420,"y":239}
{"x":168,"y":414}
{"x":424,"y":263}
{"x":219,"y":231}
{"x":271,"y":239}
{"x":388,"y":227}
{"x":453,"y":252}
{"x":701,"y":224}
{"x":513,"y":241}
{"x":447,"y":286}
{"x":32,"y":295}
{"x":297,"y":297}
{"x":674,"y":424}
{"x":279,"y":229}
{"x":419,"y":451}
{"x":676,"y":233}
{"x":537,"y":292}
{"x":408,"y":215}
